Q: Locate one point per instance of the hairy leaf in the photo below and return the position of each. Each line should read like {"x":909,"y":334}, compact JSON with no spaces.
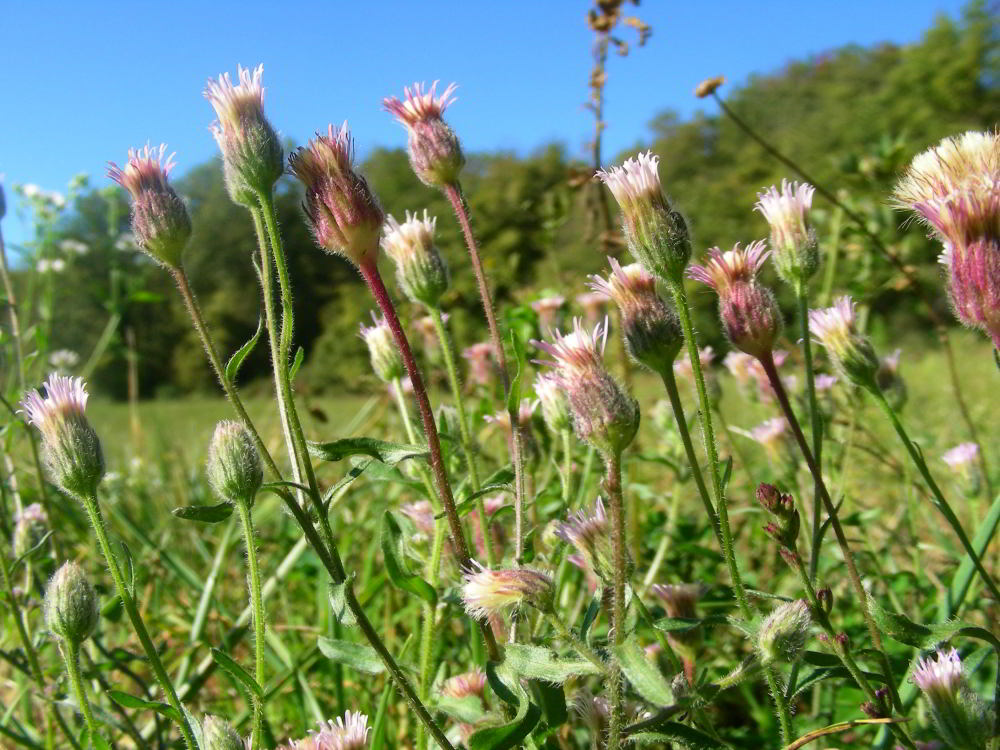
{"x":538,"y":663}
{"x":642,"y":672}
{"x":205,"y":513}
{"x":233,"y":365}
{"x":395,"y":566}
{"x":380,"y":450}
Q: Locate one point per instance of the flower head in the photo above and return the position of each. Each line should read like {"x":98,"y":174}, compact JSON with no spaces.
{"x":420,"y":270}
{"x":347,"y":732}
{"x":488,"y":592}
{"x":770,"y":434}
{"x":961,"y":456}
{"x":680,"y":600}
{"x":889,"y":379}
{"x":748,"y":309}
{"x":464,"y":685}
{"x":783,"y":633}
{"x":603,"y":414}
{"x":501,"y":419}
{"x":251,"y":150}
{"x":656,"y":233}
{"x":552,"y":398}
{"x":652,"y":331}
{"x":961,"y":716}
{"x":386,"y":360}
{"x":435,"y":153}
{"x":836,"y":329}
{"x":593,"y":304}
{"x":160,"y":220}
{"x":235,"y":471}
{"x":343,"y":212}
{"x":794,"y":242}
{"x":71,"y":604}
{"x":590,"y":534}
{"x":30,"y":526}
{"x":547,"y":309}
{"x":70,"y":446}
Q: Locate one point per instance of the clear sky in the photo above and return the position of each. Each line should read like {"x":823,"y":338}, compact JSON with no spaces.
{"x":80,"y":82}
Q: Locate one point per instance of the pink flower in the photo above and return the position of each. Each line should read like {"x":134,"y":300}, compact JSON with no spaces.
{"x":435,"y":153}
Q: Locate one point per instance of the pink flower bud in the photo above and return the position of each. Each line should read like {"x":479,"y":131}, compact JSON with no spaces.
{"x":590,"y":534}
{"x":420,"y":269}
{"x":343,"y":212}
{"x":836,"y":329}
{"x":480,"y":366}
{"x":435,"y":153}
{"x":794,"y":243}
{"x":488,"y":592}
{"x":160,"y":221}
{"x":748,"y":310}
{"x":386,"y":360}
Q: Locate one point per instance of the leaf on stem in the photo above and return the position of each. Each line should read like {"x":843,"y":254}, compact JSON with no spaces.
{"x":645,"y":676}
{"x":539,"y":663}
{"x":229,"y":665}
{"x":205,"y":513}
{"x":233,"y":365}
{"x":395,"y":567}
{"x":380,"y":450}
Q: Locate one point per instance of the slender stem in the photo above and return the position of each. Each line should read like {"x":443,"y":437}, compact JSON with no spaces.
{"x":465,"y":436}
{"x":97,"y":521}
{"x":411,"y":435}
{"x":567,"y":449}
{"x":458,"y":204}
{"x":588,"y":467}
{"x":767,"y":362}
{"x":259,"y":623}
{"x":577,"y":643}
{"x":372,"y":277}
{"x":816,"y":420}
{"x":938,"y":497}
{"x":670,"y":381}
{"x":71,"y":655}
{"x":426,"y":663}
{"x":613,"y":486}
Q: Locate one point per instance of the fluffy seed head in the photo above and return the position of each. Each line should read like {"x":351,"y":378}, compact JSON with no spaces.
{"x":852,"y":353}
{"x":603,"y":414}
{"x":70,"y":446}
{"x":234,"y":466}
{"x":343,"y":212}
{"x":386,"y":360}
{"x":30,"y":527}
{"x":160,"y":220}
{"x":590,"y":535}
{"x":656,"y":233}
{"x":252,"y":156}
{"x":782,"y":634}
{"x":218,"y":734}
{"x":487,"y":592}
{"x":71,"y":604}
{"x":420,"y":270}
{"x":435,"y":153}
{"x":555,"y":406}
{"x":748,"y":310}
{"x":794,"y":243}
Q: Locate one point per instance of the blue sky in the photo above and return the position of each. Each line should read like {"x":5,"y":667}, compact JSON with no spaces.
{"x":81,"y":82}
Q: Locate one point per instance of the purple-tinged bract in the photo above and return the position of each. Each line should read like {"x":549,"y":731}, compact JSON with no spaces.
{"x":960,"y":715}
{"x":435,"y":152}
{"x":160,"y":220}
{"x":793,"y":241}
{"x":836,"y":328}
{"x":487,"y":592}
{"x":590,"y":534}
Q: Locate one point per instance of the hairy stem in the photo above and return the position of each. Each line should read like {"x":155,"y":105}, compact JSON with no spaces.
{"x":97,"y":521}
{"x":259,"y":623}
{"x":613,"y":486}
{"x":816,"y":420}
{"x":71,"y":655}
{"x":577,"y":643}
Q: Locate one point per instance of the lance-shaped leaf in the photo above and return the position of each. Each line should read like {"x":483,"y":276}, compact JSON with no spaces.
{"x":642,"y":672}
{"x":380,"y":450}
{"x":538,"y":663}
{"x":205,"y":513}
{"x":511,"y":734}
{"x":680,"y":734}
{"x":354,"y":655}
{"x":233,"y":365}
{"x":395,"y":565}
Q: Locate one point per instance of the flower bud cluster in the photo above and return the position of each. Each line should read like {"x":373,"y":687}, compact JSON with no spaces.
{"x":784,"y":524}
{"x":651,"y":329}
{"x":71,"y":605}
{"x":656,"y":233}
{"x":748,"y":310}
{"x":70,"y":446}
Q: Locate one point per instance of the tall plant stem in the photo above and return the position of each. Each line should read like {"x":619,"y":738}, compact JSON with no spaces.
{"x":428,"y":627}
{"x":767,"y":362}
{"x":457,"y":200}
{"x":71,"y":655}
{"x":259,"y":623}
{"x":97,"y":521}
{"x":861,"y":223}
{"x":370,"y":273}
{"x":613,"y":486}
{"x":567,"y":450}
{"x":816,"y":421}
{"x":670,"y":382}
{"x":468,"y":445}
{"x":938,"y":496}
{"x":721,"y":505}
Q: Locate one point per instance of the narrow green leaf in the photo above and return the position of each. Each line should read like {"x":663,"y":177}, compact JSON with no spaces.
{"x":513,"y":733}
{"x":678,"y":733}
{"x":514,"y":395}
{"x":41,"y":543}
{"x":354,"y":655}
{"x":300,"y":355}
{"x":131,"y":701}
{"x":205,"y":513}
{"x":380,"y":450}
{"x":642,"y":672}
{"x":727,"y":473}
{"x":226,"y":662}
{"x":395,"y":566}
{"x":233,"y":365}
{"x":338,"y":602}
{"x":593,"y":609}
{"x":538,"y":663}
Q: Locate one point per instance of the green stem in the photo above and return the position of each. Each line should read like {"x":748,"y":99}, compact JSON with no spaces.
{"x":97,"y":520}
{"x":588,"y":467}
{"x":259,"y":623}
{"x":577,"y":643}
{"x":938,"y":497}
{"x":816,"y":420}
{"x":71,"y":656}
{"x":613,"y":486}
{"x":721,"y":505}
{"x":465,"y":436}
{"x":567,"y":449}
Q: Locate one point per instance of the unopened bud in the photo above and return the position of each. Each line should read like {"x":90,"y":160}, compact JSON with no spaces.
{"x":234,"y":465}
{"x":252,"y":156}
{"x":29,"y":529}
{"x":825,"y":598}
{"x":218,"y":734}
{"x":70,"y":446}
{"x":656,"y":233}
{"x":836,"y":329}
{"x":71,"y":604}
{"x":748,"y":310}
{"x":782,"y":634}
{"x":420,"y":270}
{"x":160,"y":220}
{"x":386,"y":360}
{"x":435,"y":153}
{"x":789,"y":555}
{"x":794,"y":243}
{"x":843,"y":640}
{"x":555,"y":407}
{"x":487,"y":592}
